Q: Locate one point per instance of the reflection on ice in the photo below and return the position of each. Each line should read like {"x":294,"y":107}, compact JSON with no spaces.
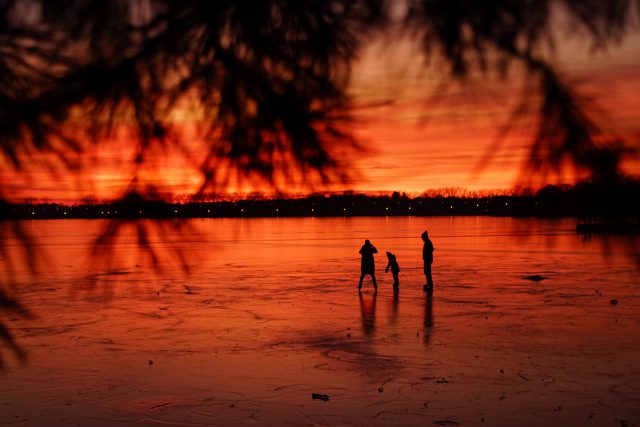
{"x":395,"y":301}
{"x":428,"y":310}
{"x":368,"y":311}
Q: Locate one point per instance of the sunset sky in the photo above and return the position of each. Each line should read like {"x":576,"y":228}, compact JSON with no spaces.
{"x":420,"y":131}
{"x":429,"y":138}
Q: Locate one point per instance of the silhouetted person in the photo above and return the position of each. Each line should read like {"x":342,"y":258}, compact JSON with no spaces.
{"x":395,"y":269}
{"x":367,"y":265}
{"x":427,"y":257}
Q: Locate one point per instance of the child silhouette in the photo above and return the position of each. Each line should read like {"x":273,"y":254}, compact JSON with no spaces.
{"x":395,"y":269}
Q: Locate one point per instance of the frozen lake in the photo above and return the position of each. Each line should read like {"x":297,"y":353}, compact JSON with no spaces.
{"x":242,"y":320}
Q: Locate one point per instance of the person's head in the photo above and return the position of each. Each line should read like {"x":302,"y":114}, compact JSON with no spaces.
{"x":390,"y":255}
{"x":367,"y":242}
{"x":425,"y":235}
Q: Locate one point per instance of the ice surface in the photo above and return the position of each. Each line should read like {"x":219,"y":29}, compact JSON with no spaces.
{"x":269,"y":314}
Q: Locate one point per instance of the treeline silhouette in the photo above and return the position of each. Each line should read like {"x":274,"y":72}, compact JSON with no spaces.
{"x":586,"y":199}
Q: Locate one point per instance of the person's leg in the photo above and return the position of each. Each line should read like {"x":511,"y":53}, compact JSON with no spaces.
{"x":429,"y":278}
{"x":373,"y":278}
{"x":361,"y":279}
{"x":427,"y":275}
{"x":396,"y":280}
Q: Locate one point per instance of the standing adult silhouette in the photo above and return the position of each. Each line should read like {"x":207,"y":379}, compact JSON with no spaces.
{"x":427,"y":257}
{"x":367,"y":265}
